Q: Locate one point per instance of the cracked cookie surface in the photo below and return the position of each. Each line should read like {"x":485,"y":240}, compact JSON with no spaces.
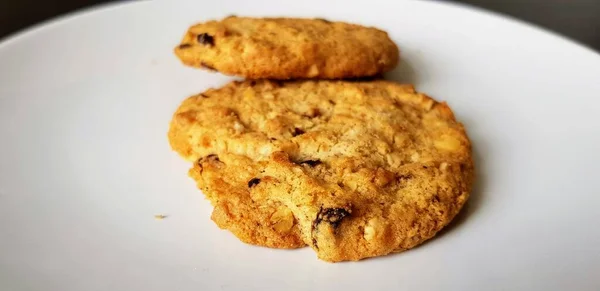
{"x":353,"y":169}
{"x":287,"y":48}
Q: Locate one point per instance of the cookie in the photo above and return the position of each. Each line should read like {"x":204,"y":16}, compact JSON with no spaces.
{"x":365,"y":168}
{"x":268,"y":224}
{"x":288,"y":48}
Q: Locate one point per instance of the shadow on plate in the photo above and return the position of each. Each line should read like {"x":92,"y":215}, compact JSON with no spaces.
{"x":404,"y":73}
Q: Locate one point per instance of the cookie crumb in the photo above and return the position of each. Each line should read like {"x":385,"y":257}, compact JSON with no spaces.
{"x":160,"y":216}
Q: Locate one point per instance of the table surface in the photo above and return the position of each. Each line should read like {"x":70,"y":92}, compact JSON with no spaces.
{"x":576,"y":19}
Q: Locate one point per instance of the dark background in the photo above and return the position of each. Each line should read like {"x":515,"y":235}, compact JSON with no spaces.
{"x":577,"y":19}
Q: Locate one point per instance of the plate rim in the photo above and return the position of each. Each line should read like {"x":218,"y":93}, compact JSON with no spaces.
{"x":74,"y":15}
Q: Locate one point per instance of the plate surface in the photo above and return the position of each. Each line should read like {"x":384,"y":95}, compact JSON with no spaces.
{"x":85,"y":164}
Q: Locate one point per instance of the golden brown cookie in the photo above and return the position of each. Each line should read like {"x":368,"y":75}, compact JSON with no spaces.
{"x":254,"y":222}
{"x":288,"y":48}
{"x":364,"y":168}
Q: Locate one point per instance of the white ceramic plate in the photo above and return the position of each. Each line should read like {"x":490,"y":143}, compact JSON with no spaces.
{"x":85,"y":102}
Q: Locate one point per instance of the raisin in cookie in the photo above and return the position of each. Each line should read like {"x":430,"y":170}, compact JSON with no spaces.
{"x":364,"y":168}
{"x":288,"y":48}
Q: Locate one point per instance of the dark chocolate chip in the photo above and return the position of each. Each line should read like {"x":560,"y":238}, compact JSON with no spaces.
{"x":206,"y":39}
{"x":185,"y":45}
{"x":203,"y":95}
{"x":332,"y":216}
{"x":297,"y":132}
{"x":331,"y":102}
{"x":311,"y":163}
{"x":253,"y":182}
{"x":324,"y":20}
